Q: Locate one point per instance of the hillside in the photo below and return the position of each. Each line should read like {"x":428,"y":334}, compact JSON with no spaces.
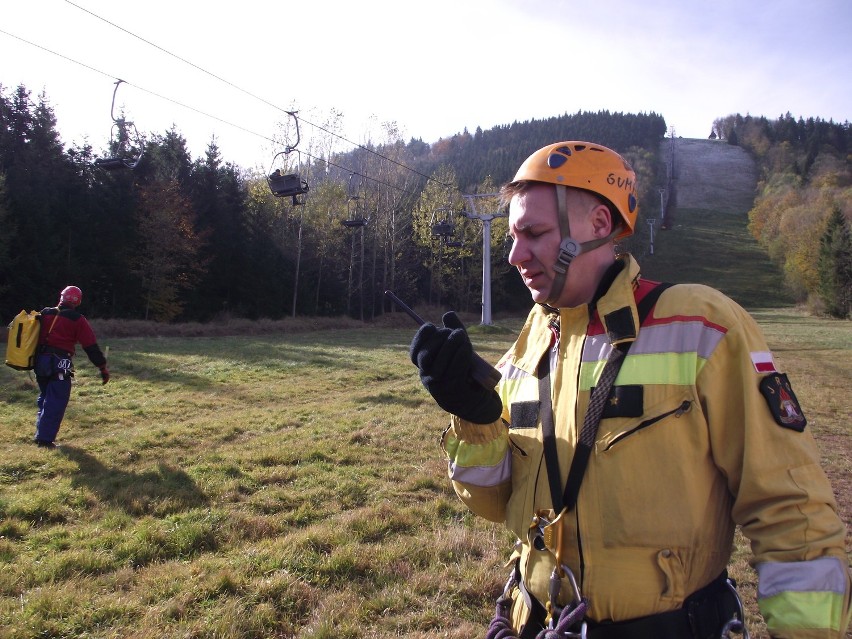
{"x":711,"y":174}
{"x":707,"y":240}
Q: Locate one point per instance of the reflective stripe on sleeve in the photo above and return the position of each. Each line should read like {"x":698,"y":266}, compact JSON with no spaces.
{"x":517,"y":386}
{"x":479,"y":464}
{"x":823,"y":574}
{"x":802,"y":594}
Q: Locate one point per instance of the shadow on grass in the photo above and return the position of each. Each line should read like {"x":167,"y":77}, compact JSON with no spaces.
{"x":158,"y":492}
{"x":387,"y":399}
{"x":198,"y":363}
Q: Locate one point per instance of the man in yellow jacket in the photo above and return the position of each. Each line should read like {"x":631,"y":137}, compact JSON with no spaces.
{"x":634,"y":427}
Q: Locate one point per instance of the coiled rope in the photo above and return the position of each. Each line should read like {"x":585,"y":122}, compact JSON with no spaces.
{"x":501,"y":626}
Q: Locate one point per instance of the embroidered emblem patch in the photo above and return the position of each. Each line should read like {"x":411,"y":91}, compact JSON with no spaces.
{"x":782,"y":402}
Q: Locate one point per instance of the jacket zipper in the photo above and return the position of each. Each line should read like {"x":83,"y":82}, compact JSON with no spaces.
{"x":677,"y":412}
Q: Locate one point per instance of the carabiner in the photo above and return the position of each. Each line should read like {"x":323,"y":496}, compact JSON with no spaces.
{"x":562,"y":619}
{"x":735,"y":626}
{"x":511,"y":582}
{"x":737,"y":622}
{"x":575,"y":589}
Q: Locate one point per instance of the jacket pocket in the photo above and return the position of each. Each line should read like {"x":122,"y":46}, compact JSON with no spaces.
{"x":653,"y":477}
{"x":684,"y":406}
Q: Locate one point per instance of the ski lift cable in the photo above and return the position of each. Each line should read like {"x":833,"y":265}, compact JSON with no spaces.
{"x":199,"y":111}
{"x":250,"y":94}
{"x":376,"y":153}
{"x":64,"y":57}
{"x":136,"y":86}
{"x":363,"y":175}
{"x":206,"y":114}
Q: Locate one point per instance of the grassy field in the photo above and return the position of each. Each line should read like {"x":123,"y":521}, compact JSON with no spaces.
{"x":286,"y":486}
{"x":240,"y":487}
{"x":714,"y":248}
{"x":291,"y":485}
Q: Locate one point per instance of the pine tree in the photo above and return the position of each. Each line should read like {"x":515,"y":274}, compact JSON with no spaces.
{"x":835,"y":265}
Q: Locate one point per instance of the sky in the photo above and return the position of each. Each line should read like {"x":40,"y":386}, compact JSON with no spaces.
{"x":430,"y":69}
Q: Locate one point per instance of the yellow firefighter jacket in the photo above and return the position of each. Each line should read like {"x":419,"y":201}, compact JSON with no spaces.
{"x":701,"y":434}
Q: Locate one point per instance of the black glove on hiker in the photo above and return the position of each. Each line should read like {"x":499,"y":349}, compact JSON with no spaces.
{"x":444,"y":357}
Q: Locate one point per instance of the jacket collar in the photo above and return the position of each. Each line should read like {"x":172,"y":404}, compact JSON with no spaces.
{"x":614,"y":306}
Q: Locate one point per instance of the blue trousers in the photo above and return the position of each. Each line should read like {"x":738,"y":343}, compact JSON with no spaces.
{"x":52,"y":401}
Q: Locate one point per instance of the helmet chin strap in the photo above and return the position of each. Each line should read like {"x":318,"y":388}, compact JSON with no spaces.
{"x":569,"y":248}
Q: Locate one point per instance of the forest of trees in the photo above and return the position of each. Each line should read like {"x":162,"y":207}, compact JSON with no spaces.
{"x":178,"y":238}
{"x":802,"y":214}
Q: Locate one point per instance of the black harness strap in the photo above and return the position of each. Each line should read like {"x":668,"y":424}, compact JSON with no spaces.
{"x":548,"y":432}
{"x":585,"y":444}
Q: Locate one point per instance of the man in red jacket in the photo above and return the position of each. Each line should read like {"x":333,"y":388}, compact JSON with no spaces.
{"x":62,"y":327}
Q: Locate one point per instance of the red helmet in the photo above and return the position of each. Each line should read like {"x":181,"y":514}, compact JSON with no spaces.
{"x":71,"y":296}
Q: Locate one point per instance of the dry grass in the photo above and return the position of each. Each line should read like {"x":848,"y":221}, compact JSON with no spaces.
{"x":273,"y":485}
{"x":225,"y":326}
{"x":283,"y":485}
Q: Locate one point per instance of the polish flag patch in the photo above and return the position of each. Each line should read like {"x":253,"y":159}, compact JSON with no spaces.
{"x":763,"y":362}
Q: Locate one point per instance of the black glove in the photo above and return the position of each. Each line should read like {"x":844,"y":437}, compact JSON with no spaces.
{"x":444,"y":357}
{"x":104,"y":374}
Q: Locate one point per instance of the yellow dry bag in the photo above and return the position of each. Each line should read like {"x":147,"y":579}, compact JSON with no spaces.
{"x":23,"y":340}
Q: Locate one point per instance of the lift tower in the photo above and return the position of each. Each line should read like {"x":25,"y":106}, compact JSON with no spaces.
{"x":485,"y":218}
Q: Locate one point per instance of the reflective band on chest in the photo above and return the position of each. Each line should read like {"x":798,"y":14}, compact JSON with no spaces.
{"x":678,"y":369}
{"x":668,"y":351}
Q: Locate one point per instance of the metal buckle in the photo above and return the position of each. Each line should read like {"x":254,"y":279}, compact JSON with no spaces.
{"x":568,"y":250}
{"x":546,"y":535}
{"x":736,"y":626}
{"x":536,"y":534}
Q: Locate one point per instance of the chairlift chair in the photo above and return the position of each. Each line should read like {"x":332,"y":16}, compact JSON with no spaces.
{"x":446,"y":231}
{"x":119,"y":132}
{"x":442,"y":224}
{"x":289,"y":184}
{"x":354,"y":220}
{"x":444,"y":228}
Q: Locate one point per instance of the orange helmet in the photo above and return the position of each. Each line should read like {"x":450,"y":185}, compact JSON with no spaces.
{"x":71,"y":296}
{"x":588,"y":166}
